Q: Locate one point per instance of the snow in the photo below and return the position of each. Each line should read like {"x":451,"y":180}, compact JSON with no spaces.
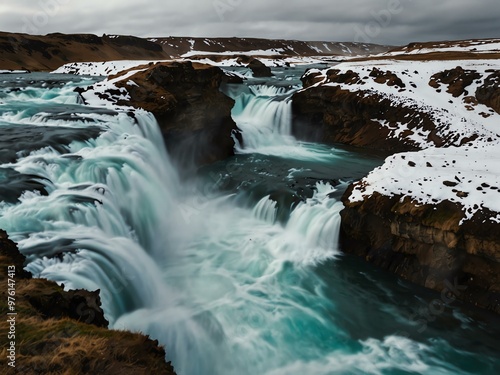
{"x":484,"y":46}
{"x":456,"y":121}
{"x":316,"y":49}
{"x":270,"y":62}
{"x":258,"y":52}
{"x":132,"y":83}
{"x":105,"y":68}
{"x":13,"y":71}
{"x":467,"y":174}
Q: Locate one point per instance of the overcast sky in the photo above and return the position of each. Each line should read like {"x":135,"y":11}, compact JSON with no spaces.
{"x":379,"y":21}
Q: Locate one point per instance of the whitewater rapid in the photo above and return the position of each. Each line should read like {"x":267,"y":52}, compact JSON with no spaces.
{"x":227,"y":287}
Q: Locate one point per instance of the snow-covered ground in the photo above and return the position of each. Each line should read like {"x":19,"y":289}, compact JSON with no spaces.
{"x":468,"y":174}
{"x":106,"y":68}
{"x":260,"y":52}
{"x":475,"y":46}
{"x":457,"y":119}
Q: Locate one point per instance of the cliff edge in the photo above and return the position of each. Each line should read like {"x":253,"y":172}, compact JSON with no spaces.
{"x":55,"y":331}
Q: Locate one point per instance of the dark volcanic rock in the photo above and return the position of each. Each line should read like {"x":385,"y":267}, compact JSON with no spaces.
{"x":426,"y":244}
{"x":456,"y":79}
{"x":489,"y":92}
{"x":194,"y":116}
{"x":259,"y":69}
{"x":330,"y":114}
{"x":387,"y":77}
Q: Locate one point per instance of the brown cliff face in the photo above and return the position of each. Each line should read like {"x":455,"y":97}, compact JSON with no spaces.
{"x":426,"y":244}
{"x":194,"y":116}
{"x":330,"y":114}
{"x":64,"y":332}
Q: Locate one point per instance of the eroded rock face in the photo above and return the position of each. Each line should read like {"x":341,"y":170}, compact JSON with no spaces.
{"x":194,"y":116}
{"x":330,"y":114}
{"x":427,"y":244}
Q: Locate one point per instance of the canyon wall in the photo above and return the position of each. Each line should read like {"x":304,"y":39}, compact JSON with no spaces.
{"x":429,"y":214}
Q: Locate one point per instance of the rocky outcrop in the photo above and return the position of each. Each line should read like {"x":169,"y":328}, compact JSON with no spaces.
{"x":378,"y":108}
{"x":194,"y":116}
{"x":489,"y":92}
{"x":427,"y":245}
{"x":455,"y":80}
{"x":259,"y":69}
{"x":331,"y":114}
{"x":59,"y":331}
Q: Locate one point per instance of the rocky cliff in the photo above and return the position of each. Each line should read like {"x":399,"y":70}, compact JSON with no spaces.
{"x":380,"y":108}
{"x":427,"y":244}
{"x":194,"y":116}
{"x":332,"y":114}
{"x":64,"y":332}
{"x":430,"y":214}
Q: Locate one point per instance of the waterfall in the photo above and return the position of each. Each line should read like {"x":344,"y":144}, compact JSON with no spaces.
{"x":113,"y":220}
{"x":266,"y":210}
{"x":226,"y":288}
{"x":263,"y":114}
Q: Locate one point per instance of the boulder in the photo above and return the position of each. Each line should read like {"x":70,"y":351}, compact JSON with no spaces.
{"x":259,"y":69}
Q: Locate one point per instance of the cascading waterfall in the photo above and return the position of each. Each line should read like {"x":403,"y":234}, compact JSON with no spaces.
{"x":263,"y":113}
{"x":226,"y":288}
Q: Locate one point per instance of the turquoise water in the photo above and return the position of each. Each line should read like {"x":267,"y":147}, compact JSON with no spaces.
{"x":237,"y":271}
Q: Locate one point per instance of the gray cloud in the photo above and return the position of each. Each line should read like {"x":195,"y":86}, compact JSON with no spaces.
{"x":377,"y":21}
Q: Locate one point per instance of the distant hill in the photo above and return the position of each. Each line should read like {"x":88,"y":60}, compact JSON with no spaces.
{"x":48,"y":52}
{"x":447,"y":50}
{"x":179,"y":46}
